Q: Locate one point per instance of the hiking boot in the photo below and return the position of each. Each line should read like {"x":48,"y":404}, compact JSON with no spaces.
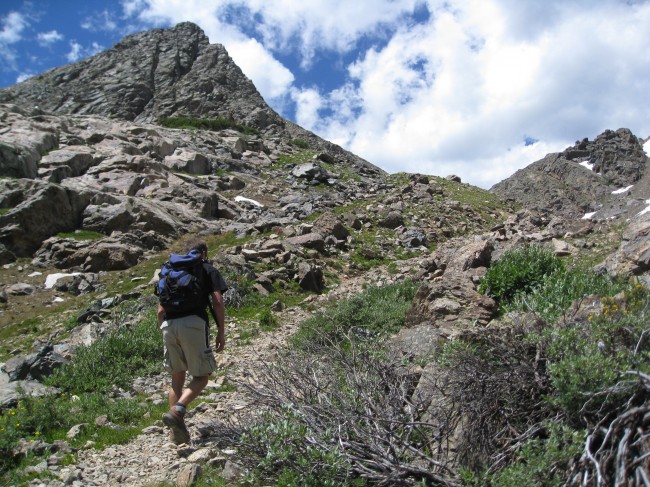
{"x":179,"y":432}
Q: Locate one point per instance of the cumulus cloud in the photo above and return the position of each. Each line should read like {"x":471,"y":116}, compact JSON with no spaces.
{"x":78,"y":51}
{"x":23,"y":76}
{"x":48,"y":38}
{"x":13,"y":25}
{"x":103,"y":21}
{"x":466,"y":91}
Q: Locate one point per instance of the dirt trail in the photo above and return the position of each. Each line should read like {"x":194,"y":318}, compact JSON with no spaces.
{"x":151,"y":458}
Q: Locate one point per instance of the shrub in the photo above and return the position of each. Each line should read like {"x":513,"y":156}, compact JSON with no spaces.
{"x":116,"y":359}
{"x":588,"y":358}
{"x":347,"y":414}
{"x":518,"y":271}
{"x":204,"y":124}
{"x":555,"y":292}
{"x":303,"y":144}
{"x":376,"y":311}
{"x":268,"y":321}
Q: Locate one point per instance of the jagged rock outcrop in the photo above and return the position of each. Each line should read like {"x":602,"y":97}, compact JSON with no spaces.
{"x":586,"y":178}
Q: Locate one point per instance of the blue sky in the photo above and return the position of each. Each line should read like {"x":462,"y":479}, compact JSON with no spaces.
{"x":477,"y":88}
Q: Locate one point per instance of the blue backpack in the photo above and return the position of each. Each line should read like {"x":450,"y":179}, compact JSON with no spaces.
{"x":181,"y":286}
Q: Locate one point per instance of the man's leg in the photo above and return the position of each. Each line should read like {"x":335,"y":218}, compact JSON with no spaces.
{"x":192,"y":391}
{"x":176,"y":388}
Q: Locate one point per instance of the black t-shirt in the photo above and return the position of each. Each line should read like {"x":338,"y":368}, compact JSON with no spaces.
{"x":213,"y":282}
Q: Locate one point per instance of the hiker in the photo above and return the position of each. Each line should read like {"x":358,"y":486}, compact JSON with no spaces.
{"x":186,"y":338}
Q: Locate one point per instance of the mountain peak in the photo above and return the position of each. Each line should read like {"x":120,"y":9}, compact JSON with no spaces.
{"x":148,"y":76}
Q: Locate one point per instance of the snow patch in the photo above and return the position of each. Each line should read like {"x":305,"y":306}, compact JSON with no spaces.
{"x":589,"y":216}
{"x":646,"y":147}
{"x":588,"y":165}
{"x":248,"y":200}
{"x":622,"y":190}
{"x":34,"y":274}
{"x":58,"y":300}
{"x":647,"y":208}
{"x":51,"y":279}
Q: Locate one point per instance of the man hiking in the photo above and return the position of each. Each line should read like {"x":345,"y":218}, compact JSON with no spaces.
{"x":184,"y":323}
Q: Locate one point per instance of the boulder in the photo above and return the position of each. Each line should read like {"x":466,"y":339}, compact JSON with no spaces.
{"x":10,"y":393}
{"x":310,"y":277}
{"x":310,"y":241}
{"x":393,"y":220}
{"x":46,"y":210}
{"x":311,"y":172}
{"x":23,"y":143}
{"x":189,"y":162}
{"x":64,"y":163}
{"x":329,"y":224}
{"x":452,"y":305}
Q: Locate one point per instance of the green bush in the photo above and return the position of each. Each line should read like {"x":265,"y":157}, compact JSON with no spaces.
{"x":587,"y":359}
{"x":268,"y":321}
{"x":542,"y":463}
{"x":205,"y":124}
{"x":303,"y":144}
{"x":285,"y":460}
{"x":519,"y":271}
{"x":555,"y":292}
{"x":116,"y":359}
{"x":376,"y":311}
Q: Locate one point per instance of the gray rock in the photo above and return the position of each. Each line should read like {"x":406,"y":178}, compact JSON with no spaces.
{"x":311,"y":172}
{"x":20,"y":289}
{"x":188,"y":475}
{"x":310,"y":277}
{"x":393,"y":220}
{"x":10,"y":393}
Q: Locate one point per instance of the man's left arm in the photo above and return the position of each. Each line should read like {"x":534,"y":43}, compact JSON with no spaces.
{"x":220,"y":311}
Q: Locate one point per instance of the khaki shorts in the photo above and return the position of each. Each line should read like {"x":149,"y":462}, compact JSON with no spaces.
{"x":187,"y":347}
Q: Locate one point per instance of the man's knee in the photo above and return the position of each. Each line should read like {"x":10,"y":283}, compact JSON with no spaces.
{"x":201,"y":381}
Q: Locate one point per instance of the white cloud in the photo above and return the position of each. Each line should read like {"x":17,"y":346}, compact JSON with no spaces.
{"x":75,"y":52}
{"x":23,"y":76}
{"x":270,"y":77}
{"x":460,"y":93}
{"x":12,"y":27}
{"x":48,"y":38}
{"x":102,"y":21}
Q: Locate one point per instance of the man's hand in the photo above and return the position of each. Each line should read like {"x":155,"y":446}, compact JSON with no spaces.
{"x":220,"y":342}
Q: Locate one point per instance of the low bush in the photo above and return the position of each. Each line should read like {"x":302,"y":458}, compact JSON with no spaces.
{"x":205,"y":124}
{"x":376,"y":311}
{"x":121,"y":355}
{"x":519,"y":271}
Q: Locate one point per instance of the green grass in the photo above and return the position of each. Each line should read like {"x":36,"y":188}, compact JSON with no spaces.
{"x":303,"y":144}
{"x":82,"y":235}
{"x":376,"y":311}
{"x":299,"y":158}
{"x":86,"y":385}
{"x":205,"y":124}
{"x":130,"y":351}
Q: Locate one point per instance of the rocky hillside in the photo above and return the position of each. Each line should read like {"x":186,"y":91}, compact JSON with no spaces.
{"x":108,"y":163}
{"x":607,"y":178}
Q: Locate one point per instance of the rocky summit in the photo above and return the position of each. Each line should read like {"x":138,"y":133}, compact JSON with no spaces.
{"x":108,"y":163}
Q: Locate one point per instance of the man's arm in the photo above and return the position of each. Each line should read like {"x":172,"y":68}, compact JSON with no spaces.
{"x":161,"y":315}
{"x":220,"y":311}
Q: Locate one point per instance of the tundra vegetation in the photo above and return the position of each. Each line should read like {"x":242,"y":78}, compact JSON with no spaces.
{"x":549,"y":395}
